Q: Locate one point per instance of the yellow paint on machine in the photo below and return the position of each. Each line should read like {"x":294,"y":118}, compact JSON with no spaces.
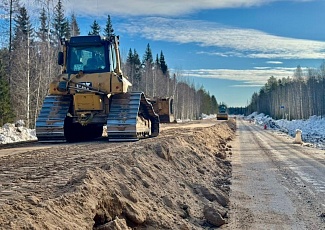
{"x":87,"y":101}
{"x":222,"y":116}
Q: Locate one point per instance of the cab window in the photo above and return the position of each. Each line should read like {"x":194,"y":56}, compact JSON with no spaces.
{"x":87,"y":58}
{"x":112,"y":58}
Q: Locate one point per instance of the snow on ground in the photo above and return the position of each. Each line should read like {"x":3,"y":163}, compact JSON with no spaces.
{"x":10,"y":133}
{"x":203,"y":117}
{"x":313,"y":129}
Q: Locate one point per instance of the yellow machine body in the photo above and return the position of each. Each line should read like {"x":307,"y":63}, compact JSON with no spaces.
{"x":164,"y":107}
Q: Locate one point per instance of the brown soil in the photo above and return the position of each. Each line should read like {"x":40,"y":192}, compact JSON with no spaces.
{"x":179,"y":180}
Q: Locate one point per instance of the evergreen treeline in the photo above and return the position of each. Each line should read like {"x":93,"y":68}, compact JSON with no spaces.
{"x":297,"y":97}
{"x":28,"y":63}
{"x":237,"y":110}
{"x":153,"y":78}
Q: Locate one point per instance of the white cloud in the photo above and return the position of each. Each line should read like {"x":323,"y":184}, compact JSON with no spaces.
{"x":248,"y":78}
{"x":157,"y":7}
{"x":261,"y":67}
{"x":222,"y":54}
{"x":240,"y":42}
{"x":151,"y":7}
{"x":275,"y":62}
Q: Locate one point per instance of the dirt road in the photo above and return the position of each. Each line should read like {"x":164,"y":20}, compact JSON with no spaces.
{"x":275,"y":184}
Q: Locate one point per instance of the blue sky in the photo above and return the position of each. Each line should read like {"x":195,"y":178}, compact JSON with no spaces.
{"x":231,"y":47}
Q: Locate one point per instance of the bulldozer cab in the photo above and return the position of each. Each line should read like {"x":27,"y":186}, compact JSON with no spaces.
{"x":222,"y":108}
{"x":90,"y":54}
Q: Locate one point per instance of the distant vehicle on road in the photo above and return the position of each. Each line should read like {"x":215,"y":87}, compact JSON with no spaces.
{"x":223,"y":112}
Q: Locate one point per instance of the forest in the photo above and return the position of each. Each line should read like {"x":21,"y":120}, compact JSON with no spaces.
{"x":28,"y":63}
{"x":296,"y":97}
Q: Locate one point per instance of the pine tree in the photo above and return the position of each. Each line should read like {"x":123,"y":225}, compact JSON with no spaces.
{"x":157,"y":62}
{"x":133,"y":64}
{"x":147,"y":57}
{"x":108,"y":31}
{"x":137,"y":65}
{"x":43,"y":30}
{"x":163,"y":65}
{"x":60,"y":23}
{"x":23,"y":28}
{"x":95,"y":28}
{"x":214,"y":104}
{"x":74,"y":27}
{"x":129,"y":58}
{"x":23,"y":57}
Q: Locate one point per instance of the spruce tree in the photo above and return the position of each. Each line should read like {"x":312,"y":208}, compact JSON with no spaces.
{"x":95,"y":28}
{"x":60,"y":23}
{"x":157,"y":62}
{"x":137,"y":65}
{"x":134,"y":65}
{"x":129,"y":58}
{"x":23,"y":28}
{"x":163,"y":65}
{"x":23,"y":57}
{"x":214,"y":104}
{"x":147,"y":57}
{"x":108,"y":31}
{"x":74,"y":27}
{"x":43,"y":29}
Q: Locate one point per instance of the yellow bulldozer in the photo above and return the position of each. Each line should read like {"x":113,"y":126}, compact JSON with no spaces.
{"x":92,"y":92}
{"x":163,"y":106}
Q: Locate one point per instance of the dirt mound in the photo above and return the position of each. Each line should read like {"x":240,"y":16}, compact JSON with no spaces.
{"x":179,"y":180}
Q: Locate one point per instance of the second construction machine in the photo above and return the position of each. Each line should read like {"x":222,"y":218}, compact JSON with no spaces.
{"x":223,"y":112}
{"x":164,"y":107}
{"x":92,"y":92}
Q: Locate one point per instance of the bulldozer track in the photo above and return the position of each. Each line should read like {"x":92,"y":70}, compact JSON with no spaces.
{"x":50,"y":122}
{"x":122,"y":118}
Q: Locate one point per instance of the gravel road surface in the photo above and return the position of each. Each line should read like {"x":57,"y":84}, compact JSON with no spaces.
{"x":276,"y":184}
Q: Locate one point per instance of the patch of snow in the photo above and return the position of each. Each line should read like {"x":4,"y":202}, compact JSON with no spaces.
{"x":205,"y":116}
{"x":10,"y":133}
{"x":313,"y":129}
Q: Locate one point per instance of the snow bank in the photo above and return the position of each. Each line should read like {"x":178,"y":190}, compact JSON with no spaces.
{"x":10,"y":133}
{"x":205,"y":116}
{"x":313,"y":129}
